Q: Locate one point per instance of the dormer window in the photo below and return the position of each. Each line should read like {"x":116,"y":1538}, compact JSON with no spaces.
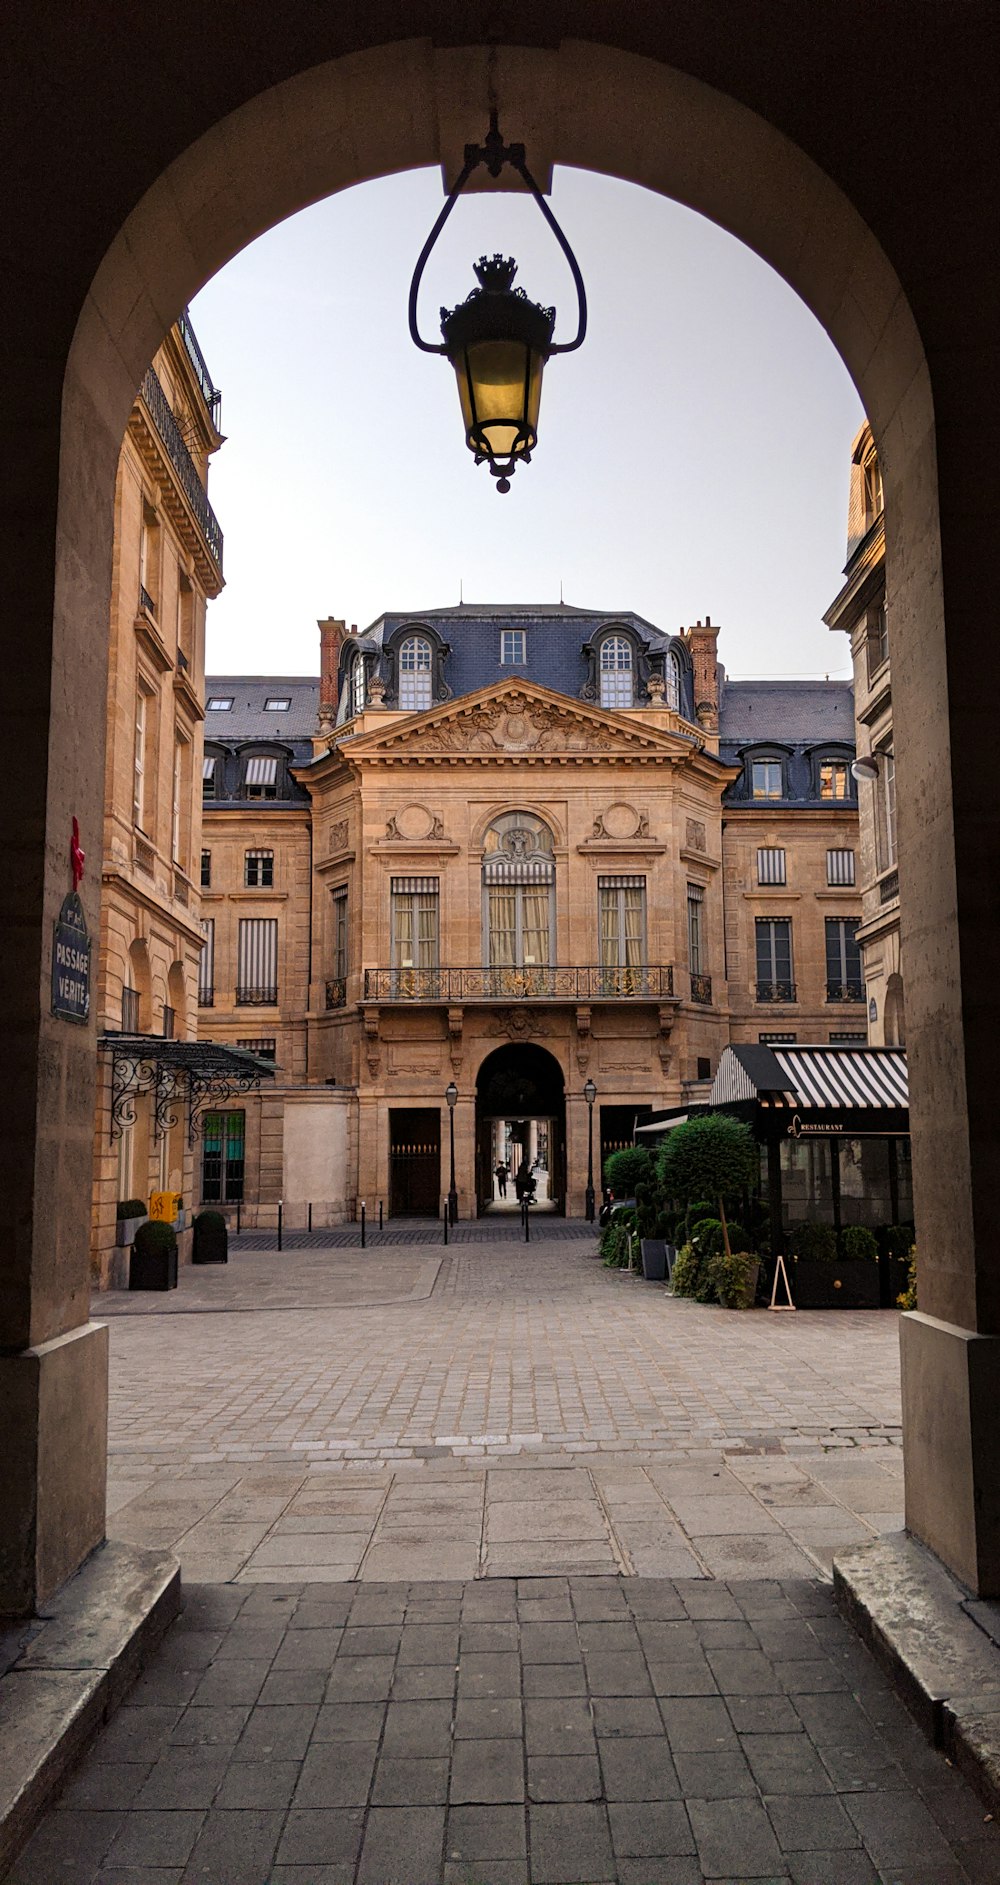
{"x":219,"y":703}
{"x":834,"y":779}
{"x":415,"y":674}
{"x":209,"y":789}
{"x":616,"y":669}
{"x":358,"y":684}
{"x":277,"y":704}
{"x":513,"y":648}
{"x":261,"y":778}
{"x":672,"y":671}
{"x":766,"y":780}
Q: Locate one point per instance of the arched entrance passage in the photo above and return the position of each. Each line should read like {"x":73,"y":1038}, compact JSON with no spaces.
{"x":521,"y":1123}
{"x":196,"y":191}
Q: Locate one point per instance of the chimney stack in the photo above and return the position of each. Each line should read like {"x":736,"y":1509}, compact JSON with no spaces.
{"x":702,"y":641}
{"x":332,"y":635}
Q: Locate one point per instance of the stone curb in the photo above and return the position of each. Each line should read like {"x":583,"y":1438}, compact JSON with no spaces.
{"x":76,"y":1664}
{"x":913,"y":1615}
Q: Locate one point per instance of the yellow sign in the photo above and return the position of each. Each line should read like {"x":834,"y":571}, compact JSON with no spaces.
{"x":164,"y":1206}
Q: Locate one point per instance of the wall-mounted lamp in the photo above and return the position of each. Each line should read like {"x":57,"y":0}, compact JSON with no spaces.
{"x":865,"y":768}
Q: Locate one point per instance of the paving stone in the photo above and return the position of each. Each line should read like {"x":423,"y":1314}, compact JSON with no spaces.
{"x":650,"y":1830}
{"x":336,"y":1774}
{"x":479,"y":1636}
{"x":280,"y":1733}
{"x":502,"y":1872}
{"x":265,"y":1783}
{"x":564,"y":1777}
{"x":417,"y":1728}
{"x":360,"y":1679}
{"x":307,"y":1649}
{"x":617,"y":1674}
{"x":485,"y":1772}
{"x":743,"y":1672}
{"x":550,"y":1642}
{"x":832,"y":1868}
{"x":698,"y":1723}
{"x":682,"y":1678}
{"x":786,"y":1764}
{"x":436,"y":1681}
{"x":103,"y":1785}
{"x":402,"y":1844}
{"x":69,"y":1846}
{"x":235,"y":1848}
{"x":639,"y":1768}
{"x":491,"y":1674}
{"x":763,"y":1714}
{"x":488,"y":1720}
{"x":898,"y":1830}
{"x":561,"y":1726}
{"x":570,"y":1845}
{"x":136,"y":1734}
{"x":553,"y":1678}
{"x":623,"y":1717}
{"x":428,"y":1643}
{"x":485,"y":1832}
{"x":735,"y":1839}
{"x":184,"y":1777}
{"x":320,"y":1837}
{"x":810,"y":1822}
{"x":412,"y":1782}
{"x":287,"y":1688}
{"x":154,"y":1838}
{"x":708,"y":1775}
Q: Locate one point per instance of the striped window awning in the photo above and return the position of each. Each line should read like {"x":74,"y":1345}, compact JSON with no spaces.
{"x":208,"y":767}
{"x":621,"y":883}
{"x":415,"y":886}
{"x":261,"y":771}
{"x":822,"y":1079}
{"x":518,"y":870}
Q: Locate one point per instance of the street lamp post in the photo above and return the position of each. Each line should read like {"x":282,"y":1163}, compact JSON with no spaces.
{"x":590,"y":1095}
{"x":451,"y":1095}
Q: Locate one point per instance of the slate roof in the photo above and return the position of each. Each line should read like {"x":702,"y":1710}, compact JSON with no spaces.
{"x":795,"y":712}
{"x":246,"y":719}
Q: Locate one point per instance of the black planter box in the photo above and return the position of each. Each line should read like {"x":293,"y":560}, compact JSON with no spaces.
{"x":848,"y":1283}
{"x":210,"y":1243}
{"x":654,"y":1259}
{"x":156,"y":1269}
{"x":895,"y":1275}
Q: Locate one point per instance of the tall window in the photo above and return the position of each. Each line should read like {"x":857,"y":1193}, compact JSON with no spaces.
{"x":672,"y":670}
{"x":771,"y":865}
{"x":518,"y":890}
{"x":149,"y":557}
{"x":257,"y":961}
{"x":885,"y":809}
{"x":834,"y":782}
{"x":223,"y":1156}
{"x":258,"y":870}
{"x":208,"y":779}
{"x":340,"y":932}
{"x":616,"y":671}
{"x":206,"y":870}
{"x":622,"y":917}
{"x":765,"y":778}
{"x":181,"y":795}
{"x":513,"y":647}
{"x":843,"y":959}
{"x":871,"y":479}
{"x":774,"y":959}
{"x":206,"y":964}
{"x":142,"y":699}
{"x":358,"y":684}
{"x":415,"y":674}
{"x":877,"y":637}
{"x":414,"y":922}
{"x":840,"y":867}
{"x":696,"y":942}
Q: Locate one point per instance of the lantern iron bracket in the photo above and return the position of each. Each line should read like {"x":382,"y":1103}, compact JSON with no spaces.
{"x":495,"y":154}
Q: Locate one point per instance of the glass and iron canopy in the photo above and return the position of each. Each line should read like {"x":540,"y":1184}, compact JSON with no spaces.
{"x":497,"y":340}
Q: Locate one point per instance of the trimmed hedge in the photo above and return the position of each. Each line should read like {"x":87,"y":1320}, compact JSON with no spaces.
{"x":131,"y":1207}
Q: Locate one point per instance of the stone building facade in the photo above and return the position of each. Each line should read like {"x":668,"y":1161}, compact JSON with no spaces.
{"x":167,"y":565}
{"x":511,"y":851}
{"x":859,"y":610}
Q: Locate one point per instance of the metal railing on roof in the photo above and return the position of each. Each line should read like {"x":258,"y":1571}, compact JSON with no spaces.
{"x":209,"y":391}
{"x":158,"y":407}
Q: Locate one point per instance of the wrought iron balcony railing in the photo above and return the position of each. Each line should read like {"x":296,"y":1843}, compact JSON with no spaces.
{"x":532,"y":983}
{"x":336,"y":991}
{"x":775,"y":991}
{"x":146,"y":601}
{"x":206,"y":997}
{"x":209,"y":392}
{"x":701,"y":988}
{"x":256,"y":997}
{"x":845,"y":991}
{"x":159,"y":410}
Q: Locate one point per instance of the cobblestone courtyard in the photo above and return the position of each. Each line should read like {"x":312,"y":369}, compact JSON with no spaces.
{"x":491,"y":1409}
{"x":502,"y":1569}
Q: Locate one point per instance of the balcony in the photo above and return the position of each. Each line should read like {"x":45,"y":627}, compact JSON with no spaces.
{"x":888,"y":888}
{"x":146,"y":601}
{"x":776,"y":991}
{"x":206,"y":996}
{"x":701,"y":989}
{"x":596,"y":983}
{"x":170,"y":433}
{"x":256,"y":997}
{"x":336,"y":992}
{"x":845,"y":991}
{"x":209,"y":392}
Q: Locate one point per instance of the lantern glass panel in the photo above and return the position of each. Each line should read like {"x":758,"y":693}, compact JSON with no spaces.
{"x":500,"y":384}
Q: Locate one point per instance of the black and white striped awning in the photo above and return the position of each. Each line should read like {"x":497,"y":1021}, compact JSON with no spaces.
{"x":518,"y":870}
{"x":261,"y":771}
{"x":813,"y":1078}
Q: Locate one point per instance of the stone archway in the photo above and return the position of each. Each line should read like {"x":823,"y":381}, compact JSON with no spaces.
{"x":598,"y":106}
{"x":521,"y":1117}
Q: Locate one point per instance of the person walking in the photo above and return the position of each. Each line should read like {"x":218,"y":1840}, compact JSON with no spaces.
{"x":502,"y":1173}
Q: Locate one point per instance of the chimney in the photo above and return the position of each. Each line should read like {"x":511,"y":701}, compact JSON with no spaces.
{"x":331,"y":639}
{"x":701,"y":641}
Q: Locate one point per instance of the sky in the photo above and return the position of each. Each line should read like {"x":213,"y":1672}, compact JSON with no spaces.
{"x":693,"y":457}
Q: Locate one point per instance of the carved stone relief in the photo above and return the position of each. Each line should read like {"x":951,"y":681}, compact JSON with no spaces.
{"x":694,"y":835}
{"x":621,"y":821}
{"x":339,"y":832}
{"x":513,"y":1024}
{"x":413,"y":823}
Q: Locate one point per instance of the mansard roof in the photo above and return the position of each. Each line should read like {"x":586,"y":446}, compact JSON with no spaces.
{"x":796,"y":712}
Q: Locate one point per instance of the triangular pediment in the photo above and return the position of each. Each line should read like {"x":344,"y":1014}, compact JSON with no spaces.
{"x":518,"y":719}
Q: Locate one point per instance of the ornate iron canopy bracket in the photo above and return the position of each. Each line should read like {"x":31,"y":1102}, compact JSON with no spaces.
{"x":200,"y":1073}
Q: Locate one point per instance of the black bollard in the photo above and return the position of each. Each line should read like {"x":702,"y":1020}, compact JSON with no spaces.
{"x":310,"y":1224}
{"x":238,"y":1208}
{"x":380,"y":1214}
{"x":280,"y":1210}
{"x":527,"y":1222}
{"x":362,"y":1224}
{"x":445,"y":1217}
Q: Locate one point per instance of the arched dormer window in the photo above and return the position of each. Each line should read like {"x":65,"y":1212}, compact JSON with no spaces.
{"x":617,"y":672}
{"x":518,"y":895}
{"x":672,"y":677}
{"x":416,"y":664}
{"x":358,"y":684}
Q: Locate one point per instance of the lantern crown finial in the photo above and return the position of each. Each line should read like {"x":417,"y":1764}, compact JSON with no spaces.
{"x":495,"y":273}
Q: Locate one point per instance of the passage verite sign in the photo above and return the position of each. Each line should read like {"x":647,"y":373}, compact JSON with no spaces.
{"x":71,"y":962}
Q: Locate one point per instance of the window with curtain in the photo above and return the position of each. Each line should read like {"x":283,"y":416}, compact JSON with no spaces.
{"x":415,"y":674}
{"x":766,"y":780}
{"x":843,"y":959}
{"x":622,"y":922}
{"x":834,"y":779}
{"x":616,"y":671}
{"x":519,"y":895}
{"x":414,"y":921}
{"x":257,"y":961}
{"x":774,"y":959}
{"x":696,"y":946}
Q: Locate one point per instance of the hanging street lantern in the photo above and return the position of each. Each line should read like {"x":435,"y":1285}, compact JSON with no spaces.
{"x":497,"y":340}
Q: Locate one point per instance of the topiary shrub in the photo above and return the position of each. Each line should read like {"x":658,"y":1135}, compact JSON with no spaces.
{"x":695,"y":1214}
{"x":615,"y":1245}
{"x":709,"y":1240}
{"x":687,"y":1272}
{"x":897,"y":1240}
{"x":130,"y":1207}
{"x":153,"y":1237}
{"x":818,"y":1241}
{"x":730,"y":1278}
{"x":153,"y":1261}
{"x":715,"y":1156}
{"x":625,"y":1170}
{"x":858,"y":1241}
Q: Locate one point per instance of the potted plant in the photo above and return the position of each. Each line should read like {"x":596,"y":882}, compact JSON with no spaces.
{"x":823,"y":1279}
{"x":130,"y":1213}
{"x":896,"y":1243}
{"x":711,"y":1157}
{"x":153,"y":1262}
{"x":210,"y":1240}
{"x":734,"y":1279}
